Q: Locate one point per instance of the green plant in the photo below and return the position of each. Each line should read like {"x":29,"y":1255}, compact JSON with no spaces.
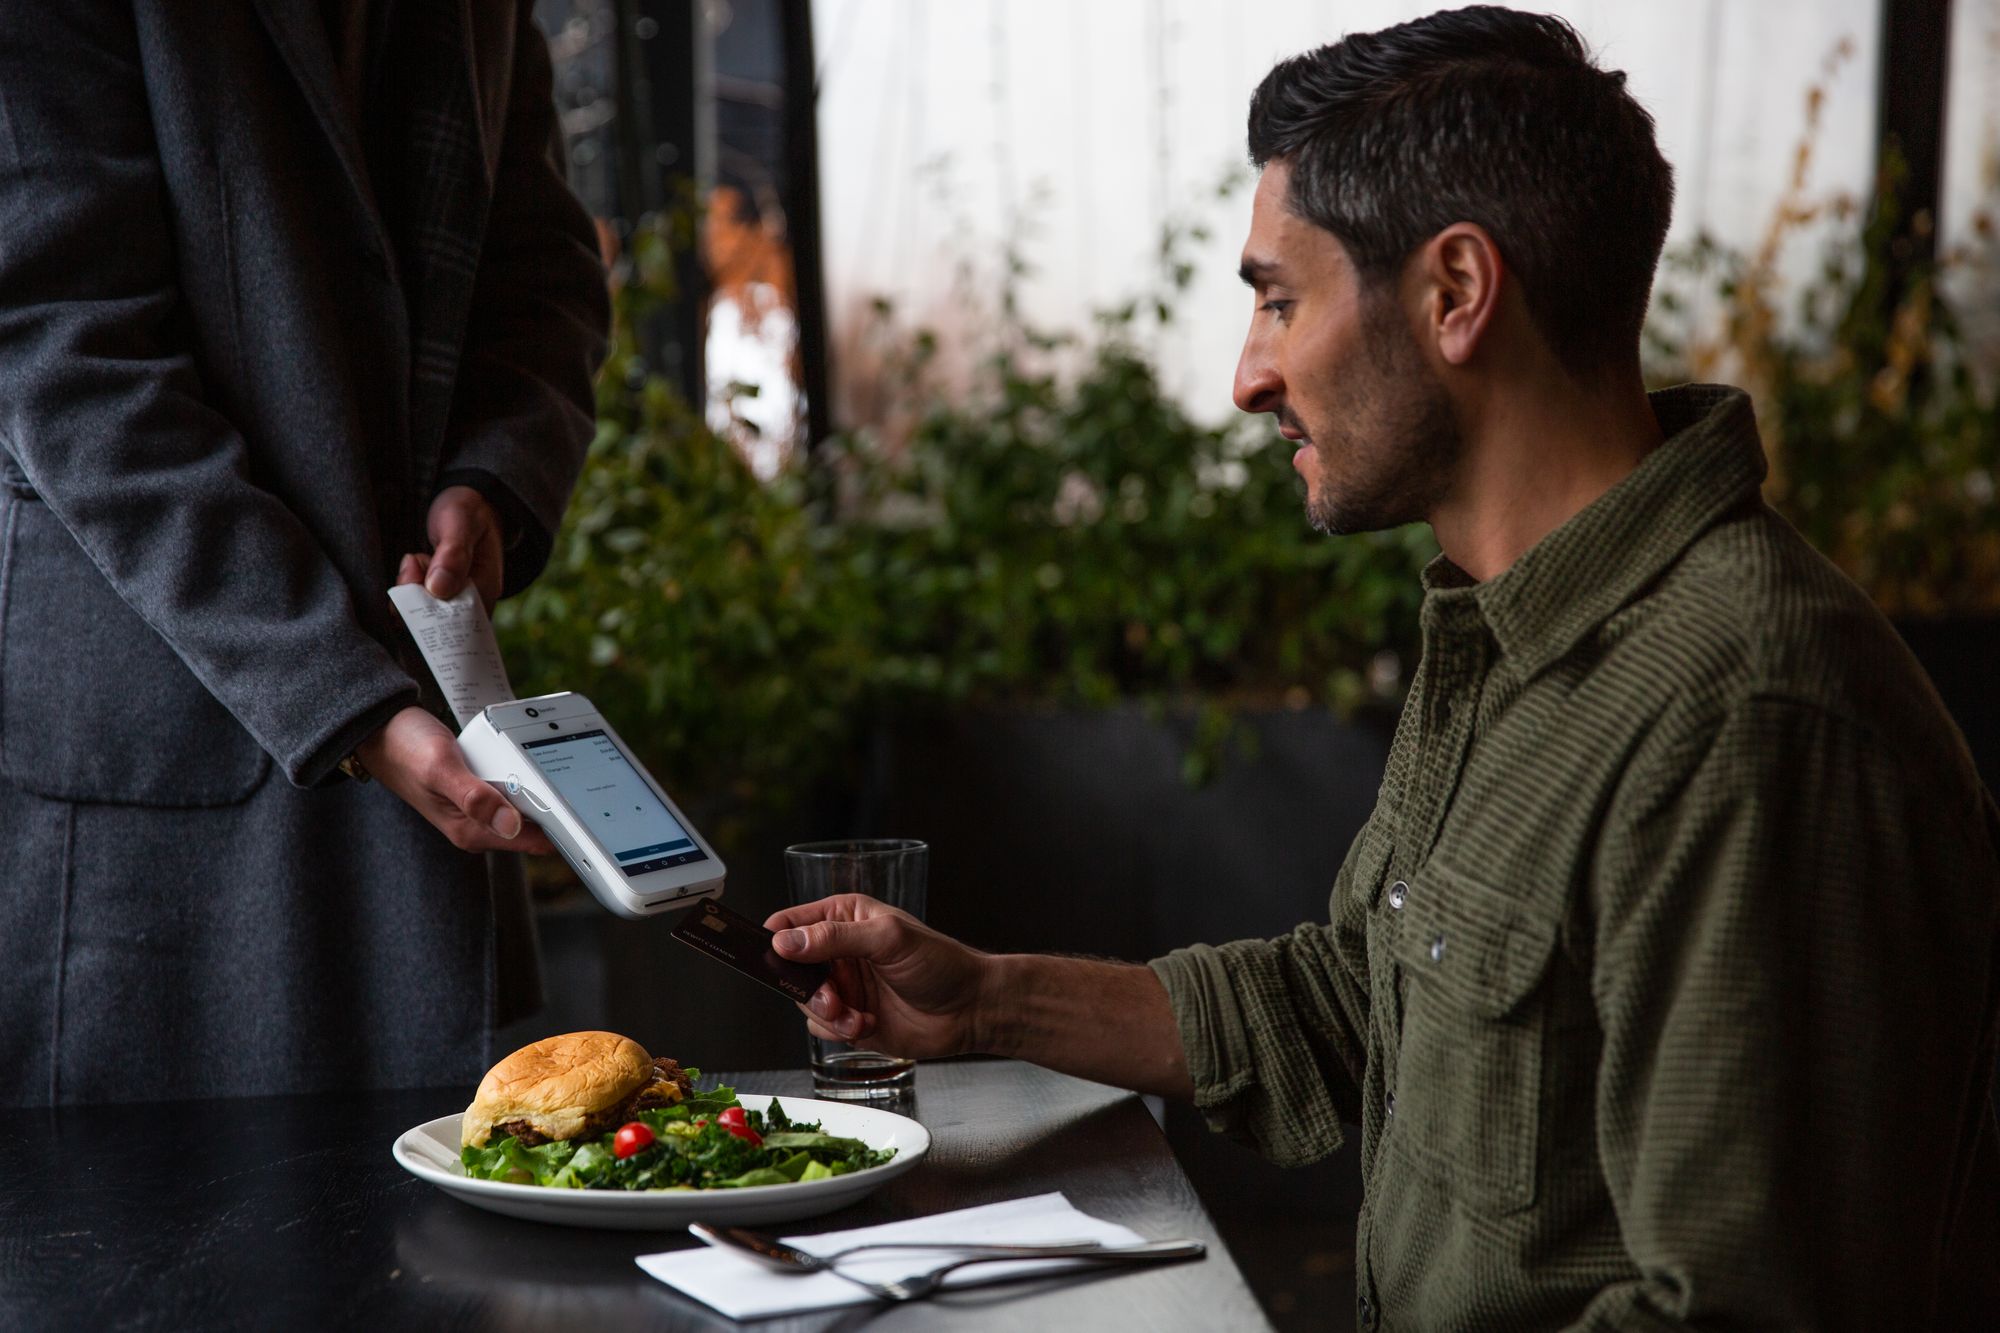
{"x":703,"y":610}
{"x":1078,"y":538}
{"x":1882,"y":428}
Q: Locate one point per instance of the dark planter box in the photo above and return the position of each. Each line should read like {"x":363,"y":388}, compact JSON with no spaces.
{"x":1962,"y":655}
{"x":1075,"y":831}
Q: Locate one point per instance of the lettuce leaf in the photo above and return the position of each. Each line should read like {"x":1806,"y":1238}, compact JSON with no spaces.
{"x":708,"y":1103}
{"x":763,"y":1175}
{"x":513,"y":1161}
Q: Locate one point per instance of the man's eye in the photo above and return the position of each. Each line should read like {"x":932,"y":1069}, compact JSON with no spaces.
{"x":1277,"y":308}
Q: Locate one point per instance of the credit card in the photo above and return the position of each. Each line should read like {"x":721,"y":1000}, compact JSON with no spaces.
{"x":740,"y":942}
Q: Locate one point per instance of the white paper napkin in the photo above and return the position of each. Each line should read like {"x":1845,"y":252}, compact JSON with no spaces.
{"x":746,"y":1288}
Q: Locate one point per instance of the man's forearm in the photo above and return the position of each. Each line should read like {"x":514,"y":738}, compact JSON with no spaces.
{"x":1111,"y":1022}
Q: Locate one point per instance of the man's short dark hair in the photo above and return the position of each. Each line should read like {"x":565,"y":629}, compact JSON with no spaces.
{"x":1490,"y":116}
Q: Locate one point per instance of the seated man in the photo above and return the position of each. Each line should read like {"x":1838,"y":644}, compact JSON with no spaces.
{"x":1662,"y":980}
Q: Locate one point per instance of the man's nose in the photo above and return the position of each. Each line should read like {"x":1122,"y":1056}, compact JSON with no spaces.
{"x":1258,"y":387}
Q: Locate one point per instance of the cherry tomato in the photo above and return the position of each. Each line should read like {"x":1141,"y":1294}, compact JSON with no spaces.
{"x":631,"y":1138}
{"x":732,"y":1119}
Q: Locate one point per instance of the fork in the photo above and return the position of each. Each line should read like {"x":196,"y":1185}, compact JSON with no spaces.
{"x":792,"y":1259}
{"x":919,"y":1285}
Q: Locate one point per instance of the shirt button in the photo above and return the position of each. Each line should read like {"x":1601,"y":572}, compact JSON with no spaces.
{"x":1392,"y":1105}
{"x":1437,"y":947}
{"x":1397,"y":892}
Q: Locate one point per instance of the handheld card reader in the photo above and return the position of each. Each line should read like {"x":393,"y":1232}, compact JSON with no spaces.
{"x":563,"y":767}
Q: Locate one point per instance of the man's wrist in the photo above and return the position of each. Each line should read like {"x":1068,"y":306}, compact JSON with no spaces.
{"x":1094,"y":1018}
{"x":997,"y":1026}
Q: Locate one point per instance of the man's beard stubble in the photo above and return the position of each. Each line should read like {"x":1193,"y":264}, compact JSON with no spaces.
{"x":1398,"y":445}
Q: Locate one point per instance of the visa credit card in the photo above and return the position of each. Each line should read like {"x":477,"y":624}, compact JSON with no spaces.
{"x":746,"y":946}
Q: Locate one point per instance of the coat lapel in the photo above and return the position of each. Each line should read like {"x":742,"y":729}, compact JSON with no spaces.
{"x":436,"y":171}
{"x":446,"y":191}
{"x":299,"y":32}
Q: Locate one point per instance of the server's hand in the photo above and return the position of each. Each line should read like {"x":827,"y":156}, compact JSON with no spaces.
{"x":417,"y":757}
{"x":467,"y":546}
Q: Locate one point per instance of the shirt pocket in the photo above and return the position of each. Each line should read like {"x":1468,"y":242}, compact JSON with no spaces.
{"x":1467,"y":1101}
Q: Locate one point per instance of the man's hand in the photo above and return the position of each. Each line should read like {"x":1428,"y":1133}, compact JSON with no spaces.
{"x":466,"y":546}
{"x":417,"y":758}
{"x":905,"y":989}
{"x":896,"y":982}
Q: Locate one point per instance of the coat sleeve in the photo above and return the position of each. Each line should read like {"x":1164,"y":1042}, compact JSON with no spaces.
{"x":523,"y":408}
{"x":103,"y":411}
{"x":1793,"y":978}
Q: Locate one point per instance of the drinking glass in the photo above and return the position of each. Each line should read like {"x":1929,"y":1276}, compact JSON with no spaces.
{"x":891,"y":870}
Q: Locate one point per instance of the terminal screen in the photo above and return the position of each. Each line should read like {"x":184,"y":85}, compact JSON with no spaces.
{"x":613,"y":802}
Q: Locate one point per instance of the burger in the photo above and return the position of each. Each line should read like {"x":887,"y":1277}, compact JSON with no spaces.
{"x":575,"y":1086}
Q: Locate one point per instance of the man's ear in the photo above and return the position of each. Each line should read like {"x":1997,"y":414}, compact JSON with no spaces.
{"x":1462,"y":274}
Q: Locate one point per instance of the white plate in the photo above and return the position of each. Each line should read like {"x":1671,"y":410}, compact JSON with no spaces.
{"x":430,"y":1152}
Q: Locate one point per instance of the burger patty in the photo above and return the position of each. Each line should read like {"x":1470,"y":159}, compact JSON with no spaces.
{"x":668,"y":1085}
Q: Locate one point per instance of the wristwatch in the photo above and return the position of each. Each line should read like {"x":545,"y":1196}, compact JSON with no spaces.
{"x":353,"y":767}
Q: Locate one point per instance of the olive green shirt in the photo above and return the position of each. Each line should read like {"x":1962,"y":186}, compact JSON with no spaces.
{"x":1662,"y":979}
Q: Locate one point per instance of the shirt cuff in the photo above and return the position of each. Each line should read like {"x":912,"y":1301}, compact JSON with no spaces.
{"x":1213,"y":1037}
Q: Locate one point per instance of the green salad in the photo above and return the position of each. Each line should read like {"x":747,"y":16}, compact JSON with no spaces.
{"x":708,"y":1142}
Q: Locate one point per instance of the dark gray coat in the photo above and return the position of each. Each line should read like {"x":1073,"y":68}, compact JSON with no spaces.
{"x":211,"y":464}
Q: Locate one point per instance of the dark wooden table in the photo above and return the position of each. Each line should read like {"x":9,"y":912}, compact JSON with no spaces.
{"x":287,"y":1212}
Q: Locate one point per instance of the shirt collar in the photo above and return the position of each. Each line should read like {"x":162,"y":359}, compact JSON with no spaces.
{"x":1571,"y":581}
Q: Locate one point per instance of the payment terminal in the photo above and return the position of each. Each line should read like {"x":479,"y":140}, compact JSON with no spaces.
{"x":563,"y":767}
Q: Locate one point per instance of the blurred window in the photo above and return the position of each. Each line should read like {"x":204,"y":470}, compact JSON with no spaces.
{"x":678,"y":107}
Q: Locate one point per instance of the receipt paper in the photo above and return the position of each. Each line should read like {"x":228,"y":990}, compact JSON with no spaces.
{"x":456,"y":639}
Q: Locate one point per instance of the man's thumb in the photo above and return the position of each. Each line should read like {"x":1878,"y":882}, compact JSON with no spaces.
{"x":824,"y":941}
